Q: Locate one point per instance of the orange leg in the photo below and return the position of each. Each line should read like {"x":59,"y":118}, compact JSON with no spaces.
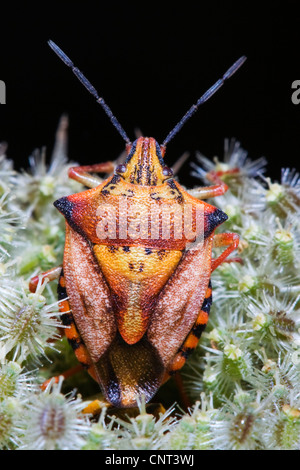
{"x":95,"y":407}
{"x":82,"y":174}
{"x":68,"y":373}
{"x":51,"y":275}
{"x":206,"y":192}
{"x":217,"y":189}
{"x":231,"y":240}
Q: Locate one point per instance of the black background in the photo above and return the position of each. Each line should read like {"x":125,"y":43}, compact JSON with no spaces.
{"x":151,"y":61}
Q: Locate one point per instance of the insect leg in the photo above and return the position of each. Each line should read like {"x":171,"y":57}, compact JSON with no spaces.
{"x":65,"y":374}
{"x":51,"y":275}
{"x":219,"y":188}
{"x":82,"y":174}
{"x":206,"y":192}
{"x":95,"y":407}
{"x":231,"y":240}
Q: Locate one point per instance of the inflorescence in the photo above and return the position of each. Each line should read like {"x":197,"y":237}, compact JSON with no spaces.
{"x":243,"y":380}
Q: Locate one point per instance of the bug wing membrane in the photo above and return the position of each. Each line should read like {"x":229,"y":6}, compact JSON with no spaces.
{"x":127,"y":371}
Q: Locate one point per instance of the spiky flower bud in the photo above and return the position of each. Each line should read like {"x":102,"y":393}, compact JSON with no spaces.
{"x":53,"y":421}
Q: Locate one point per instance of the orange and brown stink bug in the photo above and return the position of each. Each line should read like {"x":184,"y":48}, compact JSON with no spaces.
{"x":135,"y":286}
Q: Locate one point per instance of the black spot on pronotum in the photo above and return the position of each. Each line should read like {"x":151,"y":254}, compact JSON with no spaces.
{"x":104,"y":192}
{"x":110,"y":185}
{"x":153,"y":196}
{"x":175,"y":191}
{"x":172,"y":184}
{"x":212,"y":220}
{"x":65,"y":207}
{"x":129,"y":193}
{"x":115,"y":179}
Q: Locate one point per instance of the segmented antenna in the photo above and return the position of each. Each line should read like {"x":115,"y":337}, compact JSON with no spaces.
{"x":204,"y":98}
{"x":90,"y":88}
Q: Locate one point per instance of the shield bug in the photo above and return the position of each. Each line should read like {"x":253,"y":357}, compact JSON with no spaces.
{"x":135,"y":285}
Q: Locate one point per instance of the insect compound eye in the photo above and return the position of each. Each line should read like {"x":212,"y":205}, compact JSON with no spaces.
{"x":167,"y":171}
{"x":120,"y":168}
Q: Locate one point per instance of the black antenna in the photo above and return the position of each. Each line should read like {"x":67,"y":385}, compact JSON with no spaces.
{"x":204,"y":98}
{"x":90,"y":88}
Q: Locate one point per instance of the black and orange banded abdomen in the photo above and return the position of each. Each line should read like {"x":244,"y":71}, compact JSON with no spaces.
{"x":70,"y":330}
